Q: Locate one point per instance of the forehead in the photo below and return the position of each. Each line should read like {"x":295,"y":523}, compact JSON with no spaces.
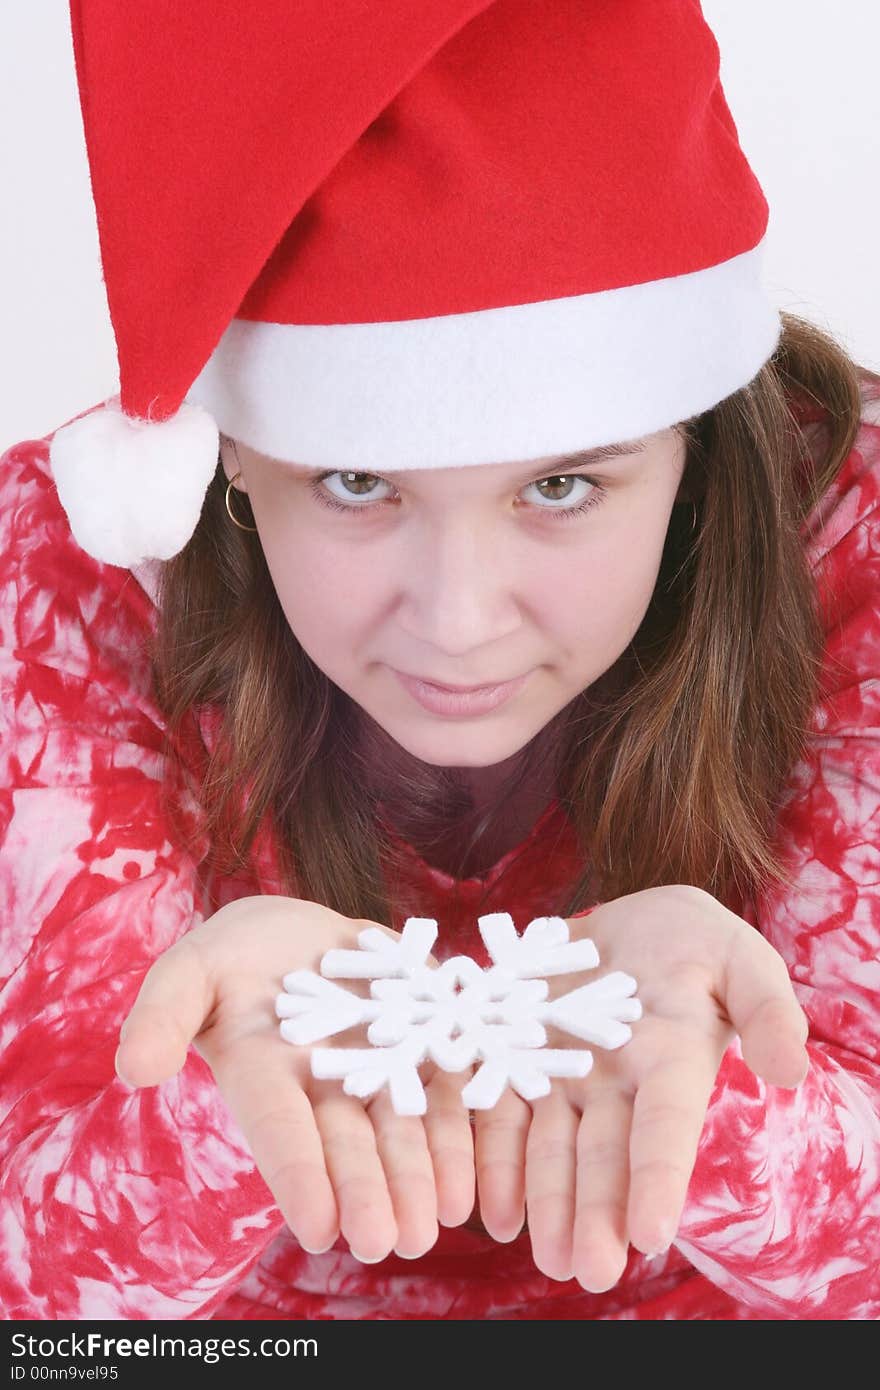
{"x":581,"y":458}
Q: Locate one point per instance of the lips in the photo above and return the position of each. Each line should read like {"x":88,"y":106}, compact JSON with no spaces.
{"x":461,"y":689}
{"x":459,"y":703}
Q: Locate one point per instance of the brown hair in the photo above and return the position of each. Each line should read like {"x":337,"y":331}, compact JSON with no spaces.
{"x":697,"y":724}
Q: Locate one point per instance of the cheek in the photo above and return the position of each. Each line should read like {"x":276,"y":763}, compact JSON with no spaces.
{"x":324,"y":594}
{"x":607,"y":594}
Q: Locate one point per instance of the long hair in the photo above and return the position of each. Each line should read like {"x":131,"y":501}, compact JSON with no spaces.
{"x":697,"y":724}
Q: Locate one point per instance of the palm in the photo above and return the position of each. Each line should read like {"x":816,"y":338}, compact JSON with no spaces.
{"x":605,"y":1160}
{"x":333,"y":1162}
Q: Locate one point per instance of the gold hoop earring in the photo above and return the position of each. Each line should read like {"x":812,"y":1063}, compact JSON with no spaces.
{"x":239,"y":524}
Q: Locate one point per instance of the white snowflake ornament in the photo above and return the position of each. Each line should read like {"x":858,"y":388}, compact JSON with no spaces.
{"x":457,"y":1013}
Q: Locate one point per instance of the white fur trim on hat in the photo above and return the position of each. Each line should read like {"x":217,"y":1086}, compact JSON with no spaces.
{"x":496,"y":385}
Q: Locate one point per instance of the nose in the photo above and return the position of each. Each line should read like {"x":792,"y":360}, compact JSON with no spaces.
{"x":460,"y":593}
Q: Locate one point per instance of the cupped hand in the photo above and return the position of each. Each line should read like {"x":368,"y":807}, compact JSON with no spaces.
{"x":334,"y":1163}
{"x":605,"y":1161}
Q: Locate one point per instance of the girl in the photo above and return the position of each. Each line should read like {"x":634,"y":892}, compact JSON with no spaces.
{"x":228,"y":750}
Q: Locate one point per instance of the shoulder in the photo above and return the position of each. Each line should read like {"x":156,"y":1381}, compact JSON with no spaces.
{"x":84,"y":763}
{"x":76,"y":667}
{"x":842,"y":540}
{"x":76,"y":664}
{"x":845,"y":524}
{"x":58,"y":605}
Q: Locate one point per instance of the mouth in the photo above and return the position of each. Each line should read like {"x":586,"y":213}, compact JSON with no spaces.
{"x":459,"y":689}
{"x":460,"y":701}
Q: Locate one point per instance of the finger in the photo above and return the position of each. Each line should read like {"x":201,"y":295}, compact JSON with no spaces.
{"x":402,"y":1146}
{"x":171,"y":1007}
{"x":500,"y":1136}
{"x":600,"y":1240}
{"x":763,"y":1008}
{"x":275,"y":1115}
{"x":366,"y":1209}
{"x":551,"y":1166}
{"x":450,"y":1138}
{"x":667,"y":1121}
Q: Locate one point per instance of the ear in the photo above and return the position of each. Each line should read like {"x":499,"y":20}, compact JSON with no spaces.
{"x":231,"y":465}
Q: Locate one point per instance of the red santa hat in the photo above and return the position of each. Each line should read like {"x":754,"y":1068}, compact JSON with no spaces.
{"x":384,"y":234}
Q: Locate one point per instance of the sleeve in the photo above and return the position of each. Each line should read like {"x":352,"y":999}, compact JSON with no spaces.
{"x":783,"y":1208}
{"x":114,"y":1203}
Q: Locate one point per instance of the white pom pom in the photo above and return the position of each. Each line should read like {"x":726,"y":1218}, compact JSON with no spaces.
{"x":133,"y":490}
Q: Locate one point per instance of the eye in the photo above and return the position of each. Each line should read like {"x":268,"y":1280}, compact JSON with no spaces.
{"x":567,"y":484}
{"x":353,"y":485}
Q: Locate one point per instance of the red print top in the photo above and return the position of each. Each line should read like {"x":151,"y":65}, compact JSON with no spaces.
{"x":147,"y":1204}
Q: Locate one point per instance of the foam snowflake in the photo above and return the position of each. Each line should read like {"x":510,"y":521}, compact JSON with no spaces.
{"x":457,"y":1013}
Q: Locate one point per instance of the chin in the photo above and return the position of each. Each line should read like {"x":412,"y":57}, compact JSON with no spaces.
{"x":447,"y":749}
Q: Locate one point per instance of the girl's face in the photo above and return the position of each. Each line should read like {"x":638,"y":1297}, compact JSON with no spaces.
{"x":465,"y":576}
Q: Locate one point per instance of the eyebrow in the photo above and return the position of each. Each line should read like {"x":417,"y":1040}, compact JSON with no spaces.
{"x":598,"y":455}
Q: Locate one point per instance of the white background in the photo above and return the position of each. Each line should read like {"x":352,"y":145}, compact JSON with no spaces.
{"x":802,"y":79}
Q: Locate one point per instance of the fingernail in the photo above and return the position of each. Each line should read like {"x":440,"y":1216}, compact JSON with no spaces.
{"x":364,"y":1260}
{"x":322,"y":1251}
{"x":402,"y":1255}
